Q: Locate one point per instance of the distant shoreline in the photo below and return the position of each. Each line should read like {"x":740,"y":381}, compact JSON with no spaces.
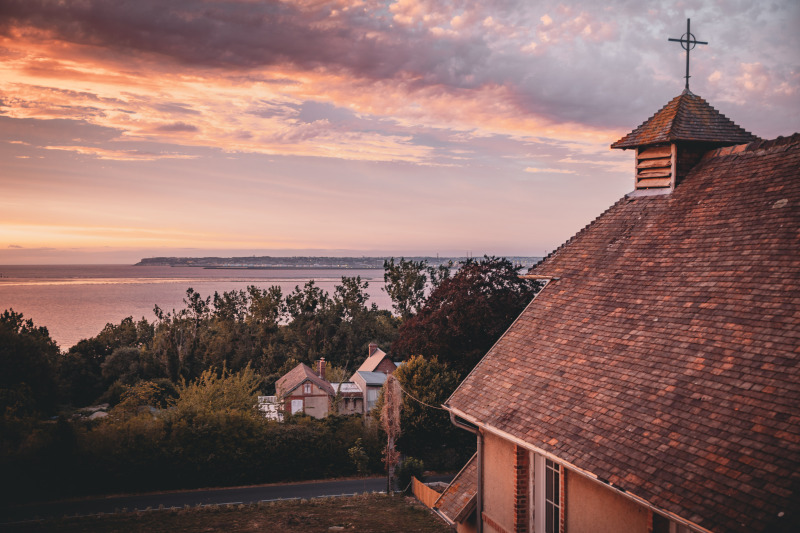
{"x":309,"y":262}
{"x":283,"y":267}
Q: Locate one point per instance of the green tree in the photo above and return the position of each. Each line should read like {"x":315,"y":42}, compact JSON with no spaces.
{"x":405,"y":283}
{"x":427,"y":431}
{"x":218,"y":391}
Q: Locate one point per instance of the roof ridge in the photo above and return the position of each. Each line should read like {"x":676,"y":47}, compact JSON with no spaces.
{"x":761,"y":144}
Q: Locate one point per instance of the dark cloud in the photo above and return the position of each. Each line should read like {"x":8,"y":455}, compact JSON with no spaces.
{"x":584,"y":62}
{"x":232,"y":34}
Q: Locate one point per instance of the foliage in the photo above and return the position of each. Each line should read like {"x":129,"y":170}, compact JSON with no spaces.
{"x":427,"y":430}
{"x":217,"y":391}
{"x":410,"y":467}
{"x":178,"y":422}
{"x":406,"y":283}
{"x":466,"y":314}
{"x":358,"y":455}
{"x":27,"y":359}
{"x":80,"y":371}
{"x":157,"y":394}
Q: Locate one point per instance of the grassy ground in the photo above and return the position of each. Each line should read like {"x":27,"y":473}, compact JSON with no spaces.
{"x":364,"y":513}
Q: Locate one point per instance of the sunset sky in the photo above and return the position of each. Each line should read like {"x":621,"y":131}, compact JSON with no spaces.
{"x":141,"y":128}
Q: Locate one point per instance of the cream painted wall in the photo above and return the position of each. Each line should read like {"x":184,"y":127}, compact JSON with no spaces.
{"x":593,"y":508}
{"x":498,"y":482}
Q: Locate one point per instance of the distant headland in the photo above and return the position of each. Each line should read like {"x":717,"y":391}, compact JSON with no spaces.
{"x":265,"y":262}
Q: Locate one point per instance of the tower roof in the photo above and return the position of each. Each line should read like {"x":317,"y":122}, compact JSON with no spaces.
{"x":686,"y":117}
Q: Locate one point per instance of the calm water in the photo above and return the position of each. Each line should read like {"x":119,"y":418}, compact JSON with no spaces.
{"x":75,"y":302}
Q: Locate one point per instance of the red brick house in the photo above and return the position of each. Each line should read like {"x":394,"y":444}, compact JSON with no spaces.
{"x":653,"y":385}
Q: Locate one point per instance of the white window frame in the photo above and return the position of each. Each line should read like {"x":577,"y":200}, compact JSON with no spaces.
{"x":540,"y":504}
{"x":306,"y":388}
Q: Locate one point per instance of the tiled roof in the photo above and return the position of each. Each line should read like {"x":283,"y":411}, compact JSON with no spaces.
{"x":296,"y":376}
{"x":372,"y":362}
{"x":666,"y":356}
{"x":686,"y":118}
{"x":459,"y":497}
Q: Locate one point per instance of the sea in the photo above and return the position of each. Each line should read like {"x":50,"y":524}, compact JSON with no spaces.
{"x":75,"y":302}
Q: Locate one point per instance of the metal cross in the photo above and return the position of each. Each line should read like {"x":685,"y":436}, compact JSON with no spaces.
{"x":688,"y":42}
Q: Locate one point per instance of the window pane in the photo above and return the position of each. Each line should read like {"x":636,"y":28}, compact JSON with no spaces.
{"x":548,"y":527}
{"x":549,"y":485}
{"x":556,"y":486}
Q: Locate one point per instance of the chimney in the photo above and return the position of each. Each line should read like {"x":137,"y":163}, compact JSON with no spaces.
{"x":321,"y":367}
{"x":372,"y":349}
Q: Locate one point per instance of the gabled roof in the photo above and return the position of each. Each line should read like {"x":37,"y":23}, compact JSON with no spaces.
{"x":296,"y":376}
{"x":372,"y":362}
{"x":664,"y":358}
{"x":459,"y":498}
{"x":686,"y":117}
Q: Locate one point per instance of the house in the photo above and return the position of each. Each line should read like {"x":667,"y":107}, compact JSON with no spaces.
{"x":371,"y":375}
{"x":349,"y":397}
{"x":653,"y":384}
{"x":301,"y":390}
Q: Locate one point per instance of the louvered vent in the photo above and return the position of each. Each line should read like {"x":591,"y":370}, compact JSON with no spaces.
{"x":655,"y":167}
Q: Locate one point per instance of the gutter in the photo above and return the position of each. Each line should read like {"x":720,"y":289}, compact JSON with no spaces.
{"x":473,"y":428}
{"x":479,"y":427}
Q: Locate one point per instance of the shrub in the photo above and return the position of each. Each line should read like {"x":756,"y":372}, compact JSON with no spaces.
{"x":411,"y":467}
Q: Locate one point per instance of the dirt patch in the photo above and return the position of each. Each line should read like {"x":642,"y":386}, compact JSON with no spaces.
{"x":376,"y":513}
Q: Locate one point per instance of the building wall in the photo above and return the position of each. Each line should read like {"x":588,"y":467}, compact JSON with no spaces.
{"x":358,"y":380}
{"x":372,"y":394}
{"x":594,"y":508}
{"x":498,"y":484}
{"x":385,"y":366}
{"x":315,"y":404}
{"x":351,"y":405}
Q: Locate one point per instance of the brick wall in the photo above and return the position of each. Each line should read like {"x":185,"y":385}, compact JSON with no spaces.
{"x":521,"y":489}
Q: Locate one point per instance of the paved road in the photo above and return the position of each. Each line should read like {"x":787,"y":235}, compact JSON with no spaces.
{"x":311,"y":489}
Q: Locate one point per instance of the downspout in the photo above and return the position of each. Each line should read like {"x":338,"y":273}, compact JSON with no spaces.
{"x":479,"y":496}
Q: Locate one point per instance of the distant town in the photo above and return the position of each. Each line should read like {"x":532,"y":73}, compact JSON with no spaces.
{"x":264,"y":262}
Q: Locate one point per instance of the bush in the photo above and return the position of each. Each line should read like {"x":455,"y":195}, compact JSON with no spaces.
{"x":411,"y":467}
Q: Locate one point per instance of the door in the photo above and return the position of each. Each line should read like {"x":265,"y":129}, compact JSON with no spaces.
{"x":297,"y":406}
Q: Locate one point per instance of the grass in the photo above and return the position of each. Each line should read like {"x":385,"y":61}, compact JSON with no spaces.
{"x":364,"y":513}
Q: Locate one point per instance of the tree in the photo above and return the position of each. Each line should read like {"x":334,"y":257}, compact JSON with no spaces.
{"x":426,"y":426}
{"x":405,"y":283}
{"x":27,"y":359}
{"x":218,"y":391}
{"x":466,"y":314}
{"x":80,"y":370}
